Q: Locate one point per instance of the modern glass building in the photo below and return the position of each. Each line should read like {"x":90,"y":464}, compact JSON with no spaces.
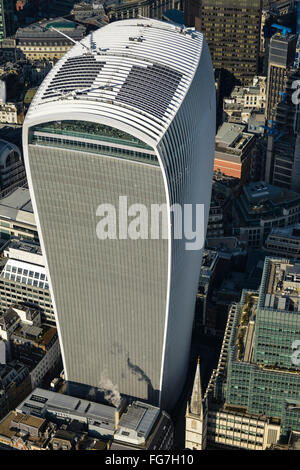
{"x":262,"y":376}
{"x":129,"y":111}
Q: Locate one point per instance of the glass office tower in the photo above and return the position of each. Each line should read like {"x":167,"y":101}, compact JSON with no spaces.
{"x":129,"y":111}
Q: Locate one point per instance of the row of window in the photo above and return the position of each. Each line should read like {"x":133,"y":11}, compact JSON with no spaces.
{"x":95,"y":148}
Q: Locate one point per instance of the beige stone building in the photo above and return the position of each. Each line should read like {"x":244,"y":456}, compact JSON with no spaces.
{"x":39,"y":41}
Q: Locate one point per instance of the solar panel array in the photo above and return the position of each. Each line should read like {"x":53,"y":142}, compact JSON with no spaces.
{"x":76,"y":73}
{"x":150,"y":88}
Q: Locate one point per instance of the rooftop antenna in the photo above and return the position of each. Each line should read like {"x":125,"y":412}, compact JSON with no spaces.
{"x":70,"y":39}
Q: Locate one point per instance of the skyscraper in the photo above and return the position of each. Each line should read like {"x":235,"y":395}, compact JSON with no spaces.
{"x":281,"y":59}
{"x":7,"y":23}
{"x":232,"y":31}
{"x":283,"y":149}
{"x":130,"y":111}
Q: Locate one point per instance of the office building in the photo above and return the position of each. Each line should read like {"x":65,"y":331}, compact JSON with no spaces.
{"x":23,"y":279}
{"x":146,"y":8}
{"x":90,"y":13}
{"x":16,"y":217}
{"x":7,"y":21}
{"x":252,"y":399}
{"x":232,"y":30}
{"x":283,"y":145}
{"x":281,"y":60}
{"x":208,"y":274}
{"x":244,"y":101}
{"x":12,"y":171}
{"x":15,"y":384}
{"x":284,"y":242}
{"x":20,"y":431}
{"x":30,"y":341}
{"x":262,"y":207}
{"x":54,"y":421}
{"x":146,"y":102}
{"x":38,"y":41}
{"x":234,"y":151}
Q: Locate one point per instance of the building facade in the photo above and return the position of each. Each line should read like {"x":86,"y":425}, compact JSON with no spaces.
{"x":252,"y":398}
{"x":253,"y":395}
{"x":261,"y":208}
{"x":146,"y":8}
{"x":7,"y":22}
{"x":234,"y":152}
{"x":283,"y":147}
{"x":232,"y":30}
{"x":12,"y":171}
{"x":281,"y":59}
{"x":23,"y":279}
{"x":130,"y":131}
{"x":284,"y":242}
{"x":38,"y":41}
{"x":16,"y":217}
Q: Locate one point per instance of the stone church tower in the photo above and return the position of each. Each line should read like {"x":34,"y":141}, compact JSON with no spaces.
{"x":196,"y":417}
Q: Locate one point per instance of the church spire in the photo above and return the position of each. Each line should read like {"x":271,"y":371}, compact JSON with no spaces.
{"x":196,"y":407}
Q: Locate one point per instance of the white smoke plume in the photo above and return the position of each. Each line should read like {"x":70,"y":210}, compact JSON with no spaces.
{"x":111,"y":393}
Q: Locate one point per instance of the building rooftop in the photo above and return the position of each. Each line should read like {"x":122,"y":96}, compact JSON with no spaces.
{"x":260,"y":200}
{"x":40,"y":401}
{"x":280,"y":287}
{"x":5,"y":149}
{"x":24,"y":251}
{"x":229,"y":132}
{"x":42,"y":30}
{"x":11,"y":427}
{"x":17,"y":206}
{"x":232,"y":139}
{"x":292,"y":232}
{"x":19,"y":199}
{"x":138,"y":69}
{"x":24,"y":246}
{"x":137,"y":422}
{"x":25,"y":273}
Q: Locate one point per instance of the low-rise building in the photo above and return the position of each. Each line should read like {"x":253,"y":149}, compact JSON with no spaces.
{"x":28,"y":340}
{"x":244,"y":100}
{"x":16,"y":216}
{"x":15,"y":384}
{"x":143,"y":427}
{"x":138,"y":426}
{"x":262,"y":207}
{"x":215,"y":226}
{"x":284,"y":242}
{"x":134,"y":9}
{"x":23,"y":279}
{"x":11,"y":113}
{"x":12,"y":170}
{"x":24,"y":432}
{"x":40,"y":41}
{"x":90,"y":13}
{"x":234,"y":151}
